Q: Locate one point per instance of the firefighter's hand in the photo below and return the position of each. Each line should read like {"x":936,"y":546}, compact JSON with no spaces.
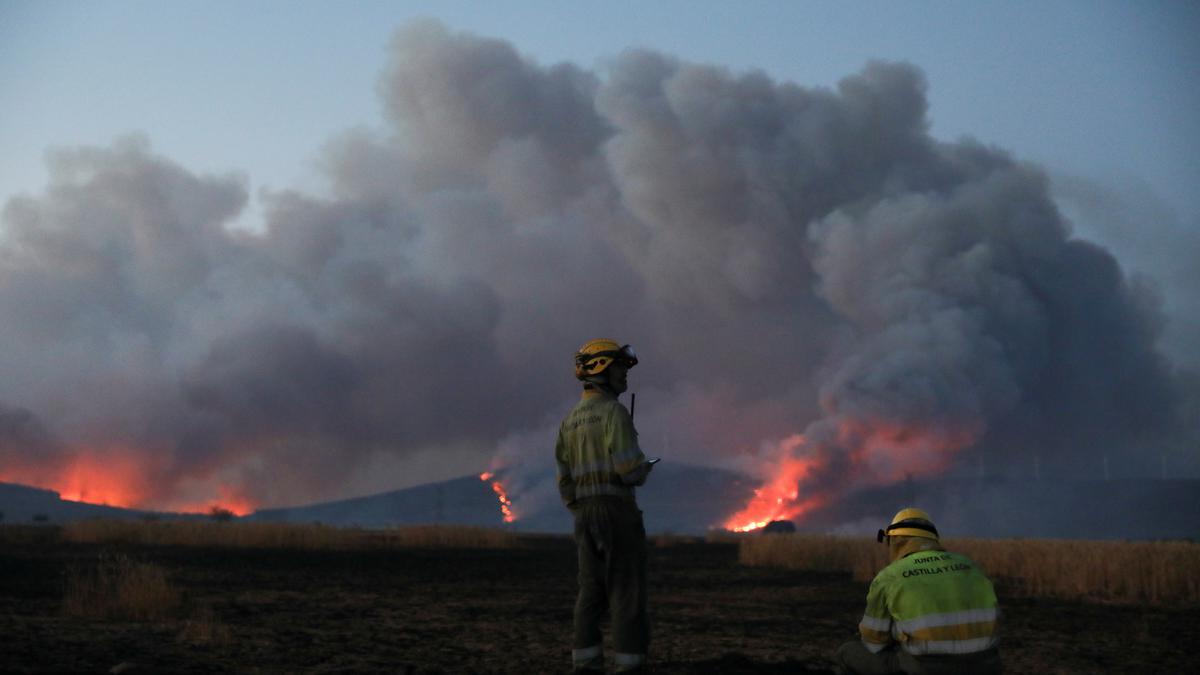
{"x":638,"y":475}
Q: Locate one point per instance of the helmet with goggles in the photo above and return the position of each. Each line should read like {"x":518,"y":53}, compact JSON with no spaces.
{"x":909,"y":523}
{"x":596,"y":356}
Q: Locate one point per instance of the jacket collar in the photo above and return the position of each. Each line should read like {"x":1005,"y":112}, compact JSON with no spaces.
{"x":917,"y":545}
{"x":595,"y":390}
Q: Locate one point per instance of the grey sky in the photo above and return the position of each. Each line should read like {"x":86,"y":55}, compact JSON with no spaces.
{"x":1100,"y":88}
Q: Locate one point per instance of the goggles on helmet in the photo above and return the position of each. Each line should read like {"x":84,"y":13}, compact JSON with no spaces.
{"x":905,"y":525}
{"x":624,"y":356}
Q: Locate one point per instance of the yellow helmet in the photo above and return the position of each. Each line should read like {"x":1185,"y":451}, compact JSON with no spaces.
{"x":910,"y":522}
{"x":595,"y":356}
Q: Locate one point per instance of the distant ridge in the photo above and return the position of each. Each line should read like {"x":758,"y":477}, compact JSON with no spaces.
{"x":679,"y":498}
{"x":24,"y":504}
{"x":685,"y":499}
{"x":464,"y":501}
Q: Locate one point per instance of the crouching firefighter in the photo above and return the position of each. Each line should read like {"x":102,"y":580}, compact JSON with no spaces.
{"x":599,"y":463}
{"x":928,"y":612}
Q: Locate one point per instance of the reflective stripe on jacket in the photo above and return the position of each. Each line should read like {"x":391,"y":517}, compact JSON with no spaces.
{"x":596,"y":445}
{"x":931,"y":602}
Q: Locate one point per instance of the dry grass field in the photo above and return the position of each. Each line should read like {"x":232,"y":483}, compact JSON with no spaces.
{"x":281,"y":535}
{"x":119,"y":587}
{"x":1106,"y":571}
{"x":91,"y":598}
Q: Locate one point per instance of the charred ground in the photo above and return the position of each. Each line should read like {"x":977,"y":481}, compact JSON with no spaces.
{"x":503,"y":611}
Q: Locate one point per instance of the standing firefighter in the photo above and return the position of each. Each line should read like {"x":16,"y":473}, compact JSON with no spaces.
{"x":929,"y":611}
{"x":599,"y":463}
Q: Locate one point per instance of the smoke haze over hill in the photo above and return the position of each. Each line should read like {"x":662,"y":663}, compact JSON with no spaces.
{"x":789,"y":260}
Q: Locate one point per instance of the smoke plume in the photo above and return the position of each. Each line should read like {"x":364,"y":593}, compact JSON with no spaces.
{"x":788,"y":260}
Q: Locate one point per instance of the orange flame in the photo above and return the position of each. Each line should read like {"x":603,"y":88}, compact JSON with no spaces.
{"x":115,"y":476}
{"x":501,"y":494}
{"x":109,"y":477}
{"x":878,"y":452}
{"x":778,"y":499}
{"x":114,"y":479}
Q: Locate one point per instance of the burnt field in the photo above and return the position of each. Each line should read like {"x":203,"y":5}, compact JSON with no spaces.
{"x":501,"y":610}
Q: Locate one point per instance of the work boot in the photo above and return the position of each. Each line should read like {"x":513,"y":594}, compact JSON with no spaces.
{"x":630,"y":664}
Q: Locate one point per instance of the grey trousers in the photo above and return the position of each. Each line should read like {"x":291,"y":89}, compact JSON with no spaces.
{"x":854,"y":657}
{"x":611,"y":541}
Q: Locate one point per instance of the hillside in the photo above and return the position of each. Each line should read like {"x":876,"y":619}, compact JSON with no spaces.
{"x":24,"y":504}
{"x":686,"y":499}
{"x":679,"y":499}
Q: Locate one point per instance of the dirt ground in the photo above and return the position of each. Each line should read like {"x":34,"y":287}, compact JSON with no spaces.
{"x":507,"y":611}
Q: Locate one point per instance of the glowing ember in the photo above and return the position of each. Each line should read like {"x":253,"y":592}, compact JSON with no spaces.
{"x":501,"y":494}
{"x":779,"y":499}
{"x":237,"y":505}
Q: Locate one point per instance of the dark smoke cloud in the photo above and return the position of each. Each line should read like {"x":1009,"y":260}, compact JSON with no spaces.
{"x":977,"y":315}
{"x":23,"y":438}
{"x":1152,"y":241}
{"x":785,"y":257}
